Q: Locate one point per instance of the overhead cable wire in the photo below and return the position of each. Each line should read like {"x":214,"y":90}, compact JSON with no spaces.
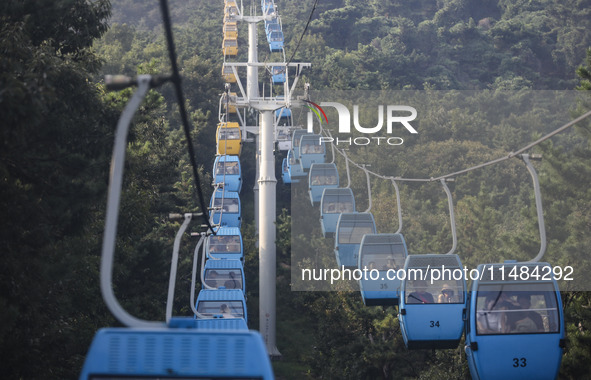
{"x":176,"y":80}
{"x":303,"y":33}
{"x":472,"y":168}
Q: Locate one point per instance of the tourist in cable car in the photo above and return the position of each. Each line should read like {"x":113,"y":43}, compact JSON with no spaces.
{"x":209,"y":303}
{"x":420,"y":293}
{"x":227,"y":273}
{"x":447,"y":294}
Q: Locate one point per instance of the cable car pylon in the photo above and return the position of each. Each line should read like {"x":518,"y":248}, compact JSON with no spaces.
{"x":265,"y":184}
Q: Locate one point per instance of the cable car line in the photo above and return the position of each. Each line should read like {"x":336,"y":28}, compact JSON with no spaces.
{"x":176,"y":80}
{"x":488,"y":163}
{"x":302,"y":36}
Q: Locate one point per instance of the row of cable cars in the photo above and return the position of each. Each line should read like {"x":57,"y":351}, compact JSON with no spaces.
{"x":223,"y":286}
{"x":514,"y":328}
{"x":306,"y":149}
{"x":215,"y":342}
{"x":230,"y":29}
{"x":222,"y":298}
{"x":230,"y":40}
{"x":221,"y":302}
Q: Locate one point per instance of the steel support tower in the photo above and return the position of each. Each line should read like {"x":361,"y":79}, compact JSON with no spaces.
{"x":265,"y":185}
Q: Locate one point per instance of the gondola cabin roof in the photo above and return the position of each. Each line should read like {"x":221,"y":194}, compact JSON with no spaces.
{"x":167,"y":353}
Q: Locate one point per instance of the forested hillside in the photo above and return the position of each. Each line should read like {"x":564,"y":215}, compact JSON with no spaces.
{"x":57,"y":130}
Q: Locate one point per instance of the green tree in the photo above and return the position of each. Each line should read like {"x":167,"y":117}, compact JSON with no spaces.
{"x":56,"y":135}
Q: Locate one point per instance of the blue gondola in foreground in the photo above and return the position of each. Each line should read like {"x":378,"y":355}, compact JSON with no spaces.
{"x":515,"y":326}
{"x":173,"y":353}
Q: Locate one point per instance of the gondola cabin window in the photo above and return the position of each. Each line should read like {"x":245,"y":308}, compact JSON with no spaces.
{"x":517,"y":309}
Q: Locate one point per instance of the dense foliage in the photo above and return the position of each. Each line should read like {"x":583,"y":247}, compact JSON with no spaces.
{"x":57,"y":128}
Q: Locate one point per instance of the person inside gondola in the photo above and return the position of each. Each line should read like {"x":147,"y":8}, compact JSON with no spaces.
{"x":212,"y":279}
{"x":345,"y":207}
{"x":225,"y":311}
{"x":316,"y":181}
{"x":420,"y":295}
{"x":233,"y":244}
{"x":447,"y":294}
{"x":330,"y":208}
{"x":231,"y":283}
{"x":390,"y":264}
{"x":491,"y":319}
{"x":527,"y":320}
{"x":214,"y":247}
